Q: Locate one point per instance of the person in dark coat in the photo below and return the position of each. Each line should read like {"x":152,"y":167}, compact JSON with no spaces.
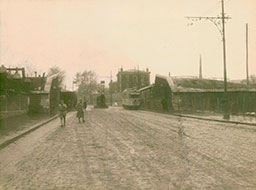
{"x":80,"y":111}
{"x":164,"y":105}
{"x":62,"y":113}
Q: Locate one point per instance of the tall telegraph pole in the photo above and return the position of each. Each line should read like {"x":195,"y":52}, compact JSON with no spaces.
{"x":221,"y":27}
{"x":247,"y":69}
{"x":226,"y":112}
{"x":111,"y":89}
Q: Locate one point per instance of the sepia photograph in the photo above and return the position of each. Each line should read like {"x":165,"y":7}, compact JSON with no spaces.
{"x":127,"y":94}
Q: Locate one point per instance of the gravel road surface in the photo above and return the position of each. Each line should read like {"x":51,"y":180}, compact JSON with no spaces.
{"x":121,"y":149}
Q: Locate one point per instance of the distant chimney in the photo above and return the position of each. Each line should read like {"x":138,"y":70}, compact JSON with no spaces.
{"x":200,"y":68}
{"x":35,"y":74}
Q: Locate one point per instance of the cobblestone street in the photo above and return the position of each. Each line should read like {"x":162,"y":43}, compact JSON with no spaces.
{"x":120,"y":149}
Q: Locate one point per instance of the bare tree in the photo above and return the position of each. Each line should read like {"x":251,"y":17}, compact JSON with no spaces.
{"x":30,"y":69}
{"x":86,"y":82}
{"x":60,"y":74}
{"x":253,"y":79}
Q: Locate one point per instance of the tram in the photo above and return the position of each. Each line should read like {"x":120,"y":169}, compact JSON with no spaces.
{"x":131,"y":99}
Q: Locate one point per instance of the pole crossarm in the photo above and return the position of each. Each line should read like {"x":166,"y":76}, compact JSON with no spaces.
{"x":207,"y":17}
{"x":213,"y":19}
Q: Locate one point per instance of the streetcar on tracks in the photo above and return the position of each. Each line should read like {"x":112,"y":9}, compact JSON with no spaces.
{"x":131,"y":99}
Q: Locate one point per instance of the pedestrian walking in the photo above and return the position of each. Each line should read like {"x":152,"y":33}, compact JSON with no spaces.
{"x":80,"y":111}
{"x":62,"y":113}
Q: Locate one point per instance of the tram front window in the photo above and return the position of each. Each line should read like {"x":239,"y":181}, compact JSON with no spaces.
{"x":134,"y":96}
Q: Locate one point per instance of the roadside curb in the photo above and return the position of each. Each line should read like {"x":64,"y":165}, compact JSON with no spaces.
{"x":23,"y":133}
{"x":216,"y":120}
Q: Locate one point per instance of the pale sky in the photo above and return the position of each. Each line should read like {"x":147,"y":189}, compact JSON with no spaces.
{"x":103,"y":35}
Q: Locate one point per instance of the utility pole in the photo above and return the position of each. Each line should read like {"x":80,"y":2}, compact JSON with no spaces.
{"x":247,"y":69}
{"x":111,"y":88}
{"x":226,"y":111}
{"x":219,"y":22}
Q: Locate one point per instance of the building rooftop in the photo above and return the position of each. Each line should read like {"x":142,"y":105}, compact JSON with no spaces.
{"x":204,"y":85}
{"x":209,"y":84}
{"x":133,"y":71}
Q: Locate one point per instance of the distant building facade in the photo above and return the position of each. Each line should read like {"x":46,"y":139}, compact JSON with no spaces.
{"x":132,"y":79}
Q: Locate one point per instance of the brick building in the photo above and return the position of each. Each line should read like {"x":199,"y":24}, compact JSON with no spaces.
{"x":132,"y":79}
